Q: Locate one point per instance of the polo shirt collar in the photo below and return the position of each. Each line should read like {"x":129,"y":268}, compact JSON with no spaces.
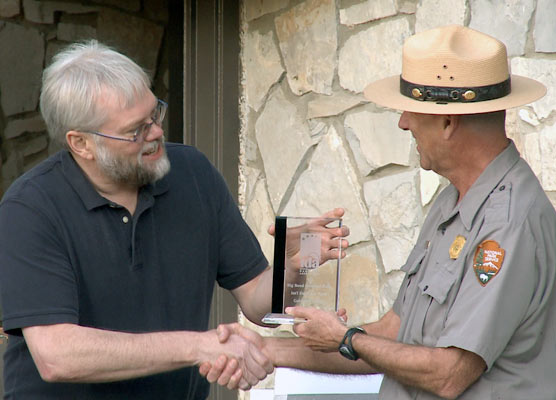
{"x":85,"y":190}
{"x":481,"y":189}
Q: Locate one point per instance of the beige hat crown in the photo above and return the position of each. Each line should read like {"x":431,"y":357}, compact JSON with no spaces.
{"x":454,"y":70}
{"x":454,"y":56}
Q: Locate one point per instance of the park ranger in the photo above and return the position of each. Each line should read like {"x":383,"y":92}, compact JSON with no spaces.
{"x":475,"y":317}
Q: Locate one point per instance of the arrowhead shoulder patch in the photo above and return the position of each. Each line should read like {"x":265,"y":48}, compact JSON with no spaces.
{"x":488,"y":261}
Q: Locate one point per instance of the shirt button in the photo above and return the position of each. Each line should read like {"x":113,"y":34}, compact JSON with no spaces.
{"x":125,"y":219}
{"x":425,"y":288}
{"x":502,"y":188}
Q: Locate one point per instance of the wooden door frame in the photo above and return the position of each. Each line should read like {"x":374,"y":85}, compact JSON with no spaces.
{"x":206,"y":59}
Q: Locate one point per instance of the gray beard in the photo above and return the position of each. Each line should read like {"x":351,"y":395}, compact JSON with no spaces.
{"x":122,"y":170}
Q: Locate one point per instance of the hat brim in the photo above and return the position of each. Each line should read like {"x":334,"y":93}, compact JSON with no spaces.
{"x":386,"y":93}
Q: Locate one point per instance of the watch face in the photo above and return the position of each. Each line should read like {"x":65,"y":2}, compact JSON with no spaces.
{"x":346,"y":352}
{"x":346,"y":348}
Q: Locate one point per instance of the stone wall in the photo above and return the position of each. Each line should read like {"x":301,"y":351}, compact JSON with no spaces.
{"x":310,"y":142}
{"x":31,"y":31}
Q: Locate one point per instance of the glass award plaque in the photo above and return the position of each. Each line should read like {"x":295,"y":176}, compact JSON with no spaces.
{"x":303,"y":274}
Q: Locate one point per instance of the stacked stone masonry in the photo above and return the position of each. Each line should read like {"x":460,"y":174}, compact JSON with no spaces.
{"x":310,"y":142}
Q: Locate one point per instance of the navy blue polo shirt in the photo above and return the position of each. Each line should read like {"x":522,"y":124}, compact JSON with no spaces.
{"x":68,"y":255}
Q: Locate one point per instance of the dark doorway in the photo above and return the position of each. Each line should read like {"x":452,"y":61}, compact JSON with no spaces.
{"x":210,"y":99}
{"x":211,"y":83}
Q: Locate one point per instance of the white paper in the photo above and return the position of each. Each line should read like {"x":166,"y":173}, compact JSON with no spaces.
{"x":295,"y":381}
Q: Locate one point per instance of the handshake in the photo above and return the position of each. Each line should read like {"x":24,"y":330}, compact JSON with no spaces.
{"x":242,"y":357}
{"x":242,"y":361}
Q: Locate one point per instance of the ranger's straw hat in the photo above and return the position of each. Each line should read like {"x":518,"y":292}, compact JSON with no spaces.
{"x":454,"y":70}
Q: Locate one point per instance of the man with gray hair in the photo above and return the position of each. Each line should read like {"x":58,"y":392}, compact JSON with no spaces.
{"x":109,"y":249}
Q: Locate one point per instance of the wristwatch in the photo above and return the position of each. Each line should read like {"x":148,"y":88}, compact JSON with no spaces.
{"x":346,"y":348}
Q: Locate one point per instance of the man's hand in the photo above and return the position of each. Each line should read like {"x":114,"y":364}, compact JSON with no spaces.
{"x":239,"y":359}
{"x":332,"y":238}
{"x":323,"y":331}
{"x":227,"y":371}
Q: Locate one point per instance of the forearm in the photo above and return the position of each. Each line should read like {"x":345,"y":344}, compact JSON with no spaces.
{"x":255,"y":296}
{"x":72,"y":353}
{"x":291,"y":352}
{"x":446,"y":372}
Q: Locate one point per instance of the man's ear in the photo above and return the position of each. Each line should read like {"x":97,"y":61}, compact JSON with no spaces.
{"x":450,"y":125}
{"x":80,"y":144}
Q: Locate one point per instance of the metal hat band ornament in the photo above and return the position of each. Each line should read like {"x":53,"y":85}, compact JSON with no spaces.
{"x":454,"y":94}
{"x":454,"y":70}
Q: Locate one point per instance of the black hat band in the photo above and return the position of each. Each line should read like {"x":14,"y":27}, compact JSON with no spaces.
{"x":444,"y":94}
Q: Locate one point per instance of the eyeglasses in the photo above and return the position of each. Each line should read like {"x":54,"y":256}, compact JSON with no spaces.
{"x":142,"y":130}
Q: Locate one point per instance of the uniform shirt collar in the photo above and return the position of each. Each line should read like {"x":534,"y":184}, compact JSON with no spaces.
{"x":85,"y":190}
{"x":481,"y":189}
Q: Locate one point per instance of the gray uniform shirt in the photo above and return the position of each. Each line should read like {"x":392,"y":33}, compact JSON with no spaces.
{"x":491,"y":291}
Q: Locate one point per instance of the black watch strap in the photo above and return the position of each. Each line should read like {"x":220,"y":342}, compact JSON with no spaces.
{"x":346,"y":347}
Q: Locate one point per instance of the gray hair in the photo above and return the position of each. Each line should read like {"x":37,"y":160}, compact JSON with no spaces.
{"x":78,"y":76}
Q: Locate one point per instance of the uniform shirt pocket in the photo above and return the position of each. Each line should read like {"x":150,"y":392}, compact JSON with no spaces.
{"x":437,"y":283}
{"x":414,"y":260}
{"x":411,"y":267}
{"x":437,"y":289}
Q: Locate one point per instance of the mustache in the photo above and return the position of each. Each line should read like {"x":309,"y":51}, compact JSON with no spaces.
{"x":152,"y":146}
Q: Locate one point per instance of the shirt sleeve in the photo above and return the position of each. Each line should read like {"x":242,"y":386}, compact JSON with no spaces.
{"x":240,"y":256}
{"x":38,"y":283}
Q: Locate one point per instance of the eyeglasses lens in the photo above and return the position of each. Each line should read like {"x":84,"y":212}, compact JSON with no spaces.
{"x":157,"y":118}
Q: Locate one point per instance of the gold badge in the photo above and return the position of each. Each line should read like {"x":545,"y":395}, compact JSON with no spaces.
{"x":488,"y":260}
{"x":456,"y":247}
